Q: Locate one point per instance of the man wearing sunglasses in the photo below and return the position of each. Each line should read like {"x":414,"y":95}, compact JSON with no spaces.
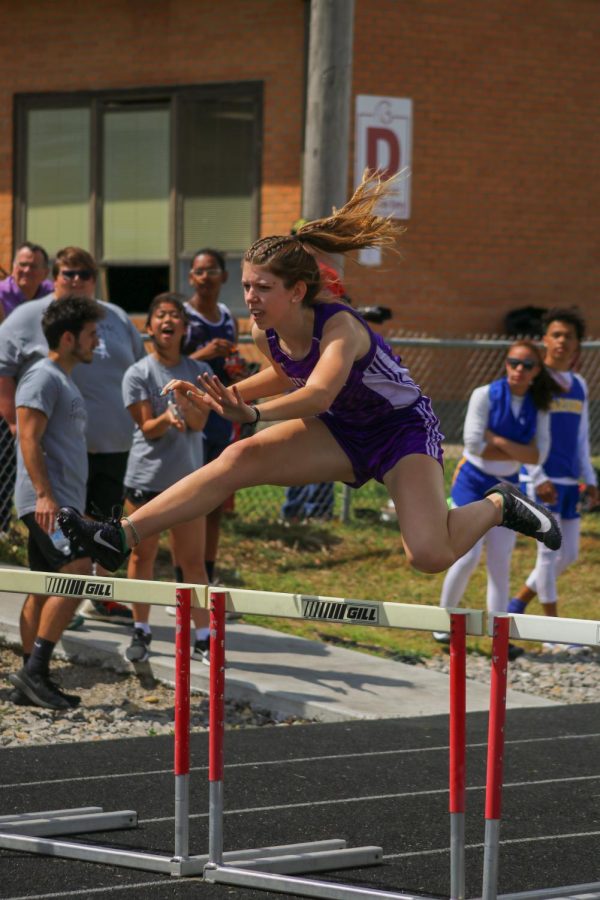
{"x":568,"y":463}
{"x":109,"y":425}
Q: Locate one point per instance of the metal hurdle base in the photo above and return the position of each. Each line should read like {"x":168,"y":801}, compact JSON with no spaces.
{"x":297,"y":887}
{"x":570,"y":890}
{"x":31,"y":833}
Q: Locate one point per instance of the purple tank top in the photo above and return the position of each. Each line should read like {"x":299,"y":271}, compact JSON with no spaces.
{"x":376,"y":383}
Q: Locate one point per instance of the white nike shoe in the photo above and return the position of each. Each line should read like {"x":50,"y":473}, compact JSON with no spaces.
{"x":522,"y":514}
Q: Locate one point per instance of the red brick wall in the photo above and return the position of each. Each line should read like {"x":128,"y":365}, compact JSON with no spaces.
{"x":506,"y":168}
{"x":505,"y":196}
{"x":84,"y":45}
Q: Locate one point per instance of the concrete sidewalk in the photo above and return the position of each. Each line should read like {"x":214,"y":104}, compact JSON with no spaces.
{"x":275,"y":671}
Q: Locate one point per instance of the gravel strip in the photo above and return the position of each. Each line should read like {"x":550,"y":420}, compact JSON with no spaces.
{"x":561,"y":675}
{"x":117,"y":705}
{"x":113,"y":705}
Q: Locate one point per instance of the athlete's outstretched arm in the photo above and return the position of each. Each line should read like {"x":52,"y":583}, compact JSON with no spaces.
{"x":344,"y":340}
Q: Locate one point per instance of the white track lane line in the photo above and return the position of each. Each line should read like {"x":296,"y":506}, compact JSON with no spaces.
{"x":293,"y":760}
{"x":505,"y":843}
{"x":369,"y":798}
{"x":87,"y":892}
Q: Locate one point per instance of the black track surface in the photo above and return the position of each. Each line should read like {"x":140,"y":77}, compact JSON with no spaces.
{"x":382,"y":783}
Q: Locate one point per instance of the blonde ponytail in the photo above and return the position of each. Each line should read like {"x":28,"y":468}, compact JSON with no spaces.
{"x":353,"y":227}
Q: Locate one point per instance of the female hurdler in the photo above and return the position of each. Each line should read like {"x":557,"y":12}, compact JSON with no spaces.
{"x":347,"y":410}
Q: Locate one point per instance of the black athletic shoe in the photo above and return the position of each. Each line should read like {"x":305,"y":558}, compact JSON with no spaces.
{"x":18,"y":698}
{"x":42,"y":691}
{"x":104,"y":541}
{"x":139,"y":648}
{"x":526,"y":516}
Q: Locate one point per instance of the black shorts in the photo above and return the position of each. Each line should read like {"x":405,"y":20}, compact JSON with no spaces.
{"x":105,"y":483}
{"x":138,"y":496}
{"x":41,"y":552}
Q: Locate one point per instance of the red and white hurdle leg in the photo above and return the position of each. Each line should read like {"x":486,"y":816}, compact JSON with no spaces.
{"x":458,"y":705}
{"x":216,"y":728}
{"x":495,"y":757}
{"x":182,"y":722}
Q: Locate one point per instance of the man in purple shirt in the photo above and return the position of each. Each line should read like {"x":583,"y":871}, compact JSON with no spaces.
{"x":28,"y":279}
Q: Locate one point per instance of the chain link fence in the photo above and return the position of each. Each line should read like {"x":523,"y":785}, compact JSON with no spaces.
{"x":446,"y":370}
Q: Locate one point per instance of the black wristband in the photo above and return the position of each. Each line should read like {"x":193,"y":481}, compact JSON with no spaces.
{"x":256,"y":413}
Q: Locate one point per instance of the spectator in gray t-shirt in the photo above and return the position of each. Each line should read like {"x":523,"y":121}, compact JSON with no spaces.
{"x":168,"y":444}
{"x":52,"y":471}
{"x":109,"y":428}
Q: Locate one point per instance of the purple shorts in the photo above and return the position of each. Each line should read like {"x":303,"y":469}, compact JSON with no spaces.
{"x":375,"y":448}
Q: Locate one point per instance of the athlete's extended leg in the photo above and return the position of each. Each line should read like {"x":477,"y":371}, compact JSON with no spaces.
{"x":433,"y":536}
{"x":290,"y":453}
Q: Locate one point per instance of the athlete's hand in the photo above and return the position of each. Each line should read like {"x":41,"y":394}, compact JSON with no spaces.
{"x":226,"y":401}
{"x":547,"y":492}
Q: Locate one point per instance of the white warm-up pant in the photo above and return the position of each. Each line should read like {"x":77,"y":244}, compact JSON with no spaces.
{"x":499,"y":543}
{"x":551,"y":563}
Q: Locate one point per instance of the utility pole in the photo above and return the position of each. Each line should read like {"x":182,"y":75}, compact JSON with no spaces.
{"x":327,"y":133}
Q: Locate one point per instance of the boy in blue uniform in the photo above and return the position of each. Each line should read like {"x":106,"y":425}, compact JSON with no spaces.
{"x":568,"y":463}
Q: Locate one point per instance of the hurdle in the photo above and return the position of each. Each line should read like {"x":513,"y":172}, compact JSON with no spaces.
{"x":273,"y":867}
{"x":264,"y":874}
{"x":501,"y":628}
{"x":459,"y":623}
{"x":43,"y":832}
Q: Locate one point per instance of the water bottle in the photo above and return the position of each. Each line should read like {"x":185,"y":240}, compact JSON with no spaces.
{"x":60,"y":541}
{"x":173,"y":408}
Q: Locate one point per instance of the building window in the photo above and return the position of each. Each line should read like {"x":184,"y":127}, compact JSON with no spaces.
{"x":217,"y":192}
{"x":58,"y":177}
{"x":142,"y":180}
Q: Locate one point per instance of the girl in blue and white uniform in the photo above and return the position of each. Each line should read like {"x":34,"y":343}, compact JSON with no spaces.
{"x":568,"y":462}
{"x":507,"y":425}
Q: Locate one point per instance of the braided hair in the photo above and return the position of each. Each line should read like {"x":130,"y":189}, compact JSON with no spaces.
{"x":355,"y":226}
